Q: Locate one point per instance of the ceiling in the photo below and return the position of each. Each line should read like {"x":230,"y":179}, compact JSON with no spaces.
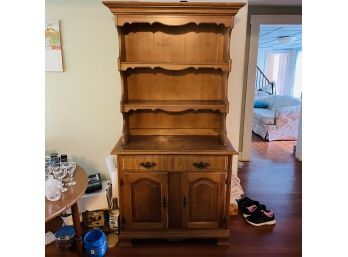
{"x":276,"y":2}
{"x":269,"y":35}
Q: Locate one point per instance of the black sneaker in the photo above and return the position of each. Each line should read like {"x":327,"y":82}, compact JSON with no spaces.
{"x":249,"y":206}
{"x":262,"y":217}
{"x":250,"y":210}
{"x":246,"y":201}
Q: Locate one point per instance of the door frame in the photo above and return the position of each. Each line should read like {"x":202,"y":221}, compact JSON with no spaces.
{"x":255,"y":22}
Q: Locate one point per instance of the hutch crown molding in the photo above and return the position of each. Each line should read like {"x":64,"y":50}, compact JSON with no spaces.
{"x":174,"y":158}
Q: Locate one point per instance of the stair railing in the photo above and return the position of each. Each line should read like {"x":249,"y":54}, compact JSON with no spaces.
{"x":263,"y":84}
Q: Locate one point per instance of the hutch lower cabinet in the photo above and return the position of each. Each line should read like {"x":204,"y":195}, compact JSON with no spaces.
{"x":174,"y":159}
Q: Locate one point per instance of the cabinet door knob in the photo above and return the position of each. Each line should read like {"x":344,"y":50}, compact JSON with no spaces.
{"x":185,"y":202}
{"x":147,"y":165}
{"x":200,"y":165}
{"x":164,"y":202}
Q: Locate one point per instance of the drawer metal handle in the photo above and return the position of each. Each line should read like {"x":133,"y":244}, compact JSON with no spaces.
{"x":147,"y":165}
{"x":200,"y":165}
{"x":185,"y":202}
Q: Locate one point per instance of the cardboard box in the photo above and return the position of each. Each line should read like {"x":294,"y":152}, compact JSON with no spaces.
{"x":99,"y":200}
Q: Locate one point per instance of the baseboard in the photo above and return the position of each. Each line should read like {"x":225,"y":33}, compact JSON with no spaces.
{"x":233,"y":209}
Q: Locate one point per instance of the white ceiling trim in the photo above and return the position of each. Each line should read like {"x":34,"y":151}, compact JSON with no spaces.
{"x":275,"y":19}
{"x":276,"y":2}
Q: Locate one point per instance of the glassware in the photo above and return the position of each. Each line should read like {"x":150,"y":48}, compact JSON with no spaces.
{"x":59,"y":172}
{"x":63,"y":158}
{"x":52,"y":189}
{"x":48,"y":168}
{"x":66,"y":179}
{"x":55,"y":159}
{"x":48,"y":171}
{"x":47,"y":160}
{"x":70,"y":166}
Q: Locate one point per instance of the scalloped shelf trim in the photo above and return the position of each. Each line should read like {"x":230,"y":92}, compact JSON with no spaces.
{"x":123,"y":66}
{"x":174,"y":106}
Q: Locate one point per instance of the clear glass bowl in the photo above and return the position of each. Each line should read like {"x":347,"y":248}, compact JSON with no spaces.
{"x":52,"y":189}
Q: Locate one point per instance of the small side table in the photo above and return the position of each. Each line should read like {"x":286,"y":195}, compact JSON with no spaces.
{"x":67,"y":200}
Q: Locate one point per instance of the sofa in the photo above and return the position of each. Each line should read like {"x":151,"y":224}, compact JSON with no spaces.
{"x":276,"y":117}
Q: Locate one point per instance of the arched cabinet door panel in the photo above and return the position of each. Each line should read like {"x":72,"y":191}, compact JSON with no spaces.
{"x":203,"y":199}
{"x":145,"y":201}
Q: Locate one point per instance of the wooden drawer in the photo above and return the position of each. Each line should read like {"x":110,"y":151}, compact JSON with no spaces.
{"x":147,"y":162}
{"x":201,"y":163}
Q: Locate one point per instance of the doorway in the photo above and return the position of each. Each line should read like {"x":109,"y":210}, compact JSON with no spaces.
{"x":279,"y":61}
{"x":275,"y":50}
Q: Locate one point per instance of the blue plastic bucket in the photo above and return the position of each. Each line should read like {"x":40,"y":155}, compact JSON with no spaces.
{"x":95,"y":243}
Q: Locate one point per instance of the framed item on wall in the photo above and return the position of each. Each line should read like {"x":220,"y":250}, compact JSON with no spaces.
{"x":53,"y":47}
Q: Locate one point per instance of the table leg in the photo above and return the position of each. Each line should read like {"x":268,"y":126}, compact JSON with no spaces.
{"x":77,"y":226}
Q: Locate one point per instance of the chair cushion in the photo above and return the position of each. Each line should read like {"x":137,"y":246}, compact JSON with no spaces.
{"x":265,"y":116}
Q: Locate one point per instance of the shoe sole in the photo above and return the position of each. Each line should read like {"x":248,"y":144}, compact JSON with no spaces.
{"x":272,"y":222}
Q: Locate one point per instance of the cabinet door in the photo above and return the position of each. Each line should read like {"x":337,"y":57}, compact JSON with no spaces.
{"x":145,"y":199}
{"x":204,"y":199}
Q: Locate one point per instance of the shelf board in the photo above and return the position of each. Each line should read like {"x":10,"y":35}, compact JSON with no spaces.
{"x":174,"y":145}
{"x":123,"y":66}
{"x":174,"y":105}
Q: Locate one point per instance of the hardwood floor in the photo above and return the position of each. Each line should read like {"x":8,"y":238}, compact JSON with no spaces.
{"x":273,"y":179}
{"x":274,"y":151}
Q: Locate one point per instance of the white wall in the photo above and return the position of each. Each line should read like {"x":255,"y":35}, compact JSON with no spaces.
{"x":262,"y":59}
{"x":82,"y":103}
{"x":298,"y":153}
{"x":235,"y":90}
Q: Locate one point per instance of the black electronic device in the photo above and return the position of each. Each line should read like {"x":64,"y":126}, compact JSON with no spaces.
{"x":94,"y":183}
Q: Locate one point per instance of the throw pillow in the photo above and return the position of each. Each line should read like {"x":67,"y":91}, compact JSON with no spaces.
{"x":260,"y":104}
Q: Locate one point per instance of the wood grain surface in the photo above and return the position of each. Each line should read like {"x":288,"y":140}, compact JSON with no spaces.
{"x":68,"y":198}
{"x":173,"y":145}
{"x":276,"y":182}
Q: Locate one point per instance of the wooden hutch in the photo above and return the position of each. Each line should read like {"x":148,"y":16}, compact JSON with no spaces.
{"x":174,"y":158}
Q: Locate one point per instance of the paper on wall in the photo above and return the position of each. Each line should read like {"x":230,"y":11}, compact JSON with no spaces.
{"x":53,"y":47}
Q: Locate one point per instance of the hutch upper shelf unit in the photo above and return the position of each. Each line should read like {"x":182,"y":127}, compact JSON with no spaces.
{"x":174,"y":158}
